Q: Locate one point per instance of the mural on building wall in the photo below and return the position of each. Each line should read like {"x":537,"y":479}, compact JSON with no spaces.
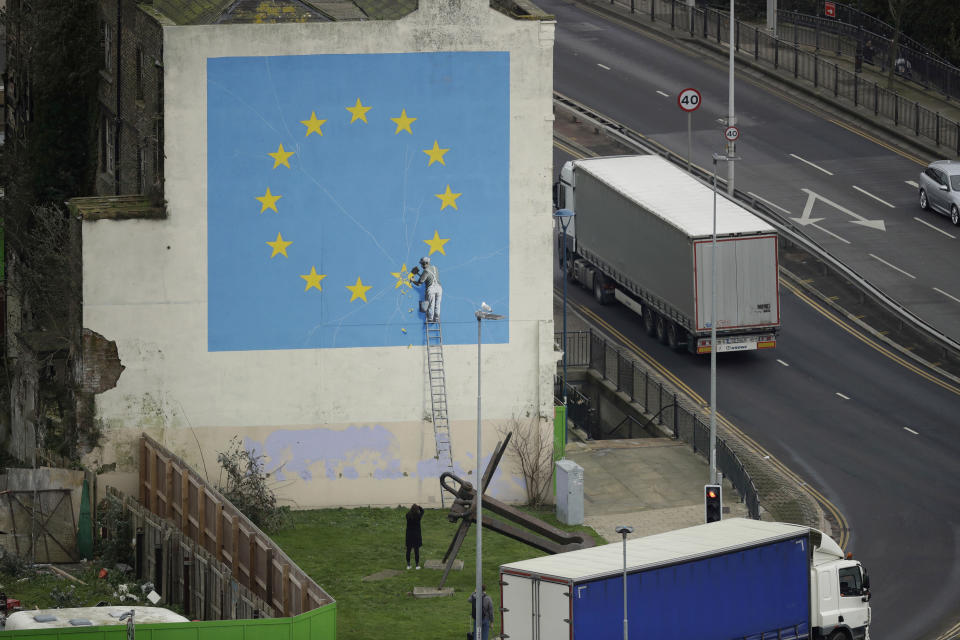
{"x":330,"y":176}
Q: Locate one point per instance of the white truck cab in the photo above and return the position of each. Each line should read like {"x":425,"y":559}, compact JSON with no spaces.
{"x":840,"y":595}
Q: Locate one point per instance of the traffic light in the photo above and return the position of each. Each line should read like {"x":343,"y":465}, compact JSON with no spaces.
{"x":713,"y":502}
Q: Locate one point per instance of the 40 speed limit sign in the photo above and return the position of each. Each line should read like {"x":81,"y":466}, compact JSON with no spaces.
{"x":689,"y":100}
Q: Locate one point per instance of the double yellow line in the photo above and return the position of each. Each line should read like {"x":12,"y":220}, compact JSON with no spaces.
{"x":842,"y":536}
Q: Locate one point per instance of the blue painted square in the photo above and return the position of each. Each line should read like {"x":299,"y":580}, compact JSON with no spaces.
{"x":361,"y":150}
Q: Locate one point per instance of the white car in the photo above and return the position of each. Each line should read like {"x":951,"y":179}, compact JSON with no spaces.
{"x":940,"y":188}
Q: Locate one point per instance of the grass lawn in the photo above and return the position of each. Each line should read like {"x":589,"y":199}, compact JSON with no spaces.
{"x":338,"y":547}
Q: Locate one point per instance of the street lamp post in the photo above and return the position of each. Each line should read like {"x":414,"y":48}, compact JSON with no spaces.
{"x":483,"y":313}
{"x":564,"y":216}
{"x":623,"y":530}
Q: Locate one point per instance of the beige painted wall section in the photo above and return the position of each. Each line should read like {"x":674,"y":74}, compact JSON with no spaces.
{"x":351,"y":426}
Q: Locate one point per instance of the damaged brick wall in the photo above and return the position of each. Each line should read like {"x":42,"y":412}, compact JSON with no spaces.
{"x":101,"y":366}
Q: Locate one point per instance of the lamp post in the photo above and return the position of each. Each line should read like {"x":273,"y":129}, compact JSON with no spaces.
{"x":623,"y":530}
{"x":564,"y":216}
{"x":483,"y":313}
{"x":713,"y":324}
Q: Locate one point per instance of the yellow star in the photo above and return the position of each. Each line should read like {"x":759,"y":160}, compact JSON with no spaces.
{"x":436,"y":243}
{"x":359,"y":111}
{"x":358,"y":290}
{"x":281,"y":157}
{"x":436,"y":154}
{"x":313,"y":125}
{"x":448,"y":198}
{"x":268,"y":201}
{"x":403,"y":277}
{"x":313,"y":279}
{"x":279,"y":246}
{"x":403,"y":122}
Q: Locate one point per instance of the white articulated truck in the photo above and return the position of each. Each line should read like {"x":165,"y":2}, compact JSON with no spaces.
{"x":734,"y":578}
{"x":642,"y":235}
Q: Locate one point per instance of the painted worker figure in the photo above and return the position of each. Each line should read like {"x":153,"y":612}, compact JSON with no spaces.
{"x":429,"y":276}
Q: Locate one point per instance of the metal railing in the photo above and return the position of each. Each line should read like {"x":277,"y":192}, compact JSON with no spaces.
{"x":592,"y":350}
{"x":711,"y":25}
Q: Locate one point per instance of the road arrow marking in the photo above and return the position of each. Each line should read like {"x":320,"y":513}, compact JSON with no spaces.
{"x":857,"y":218}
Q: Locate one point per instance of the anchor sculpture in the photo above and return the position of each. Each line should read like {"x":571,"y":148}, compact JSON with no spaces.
{"x":533,"y":531}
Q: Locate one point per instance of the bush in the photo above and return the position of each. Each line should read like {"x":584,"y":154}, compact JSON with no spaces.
{"x":246,"y":487}
{"x":113,"y":544}
{"x":64,"y":597}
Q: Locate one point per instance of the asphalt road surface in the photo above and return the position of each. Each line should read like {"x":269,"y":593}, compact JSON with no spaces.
{"x":856,"y":198}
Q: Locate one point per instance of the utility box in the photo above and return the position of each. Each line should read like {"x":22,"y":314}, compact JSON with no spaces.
{"x":569,"y":492}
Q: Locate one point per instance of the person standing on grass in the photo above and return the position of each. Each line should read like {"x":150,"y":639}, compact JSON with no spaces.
{"x":414,"y":536}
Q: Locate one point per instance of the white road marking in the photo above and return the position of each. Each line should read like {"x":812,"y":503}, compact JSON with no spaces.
{"x":665,"y":95}
{"x":946,"y":294}
{"x":916,"y":433}
{"x":792,"y":155}
{"x":892,"y":266}
{"x":912,"y":184}
{"x":843,"y":396}
{"x":934,"y":228}
{"x":867,"y":193}
{"x":765,"y":201}
{"x":782,"y":362}
{"x":603,"y":66}
{"x":829,"y":233}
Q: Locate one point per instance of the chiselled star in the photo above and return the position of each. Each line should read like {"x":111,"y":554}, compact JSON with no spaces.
{"x":358,"y":290}
{"x":313,"y":279}
{"x":403,"y":123}
{"x":403,"y":277}
{"x":268,"y":201}
{"x":448,"y":198}
{"x":313,"y":124}
{"x":281,"y":157}
{"x":359,"y":111}
{"x":436,"y":154}
{"x":280,"y":246}
{"x":436,"y":243}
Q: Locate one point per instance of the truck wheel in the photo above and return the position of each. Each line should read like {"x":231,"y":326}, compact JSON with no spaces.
{"x":649,"y":320}
{"x":661,"y":329}
{"x":598,"y":288}
{"x":673,"y":336}
{"x":838,"y":634}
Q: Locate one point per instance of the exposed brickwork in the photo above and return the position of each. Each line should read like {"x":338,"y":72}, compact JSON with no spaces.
{"x":101,"y":363}
{"x":131,"y":100}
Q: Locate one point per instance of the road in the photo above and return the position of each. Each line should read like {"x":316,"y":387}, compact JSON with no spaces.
{"x":856,"y":198}
{"x":875,"y":437}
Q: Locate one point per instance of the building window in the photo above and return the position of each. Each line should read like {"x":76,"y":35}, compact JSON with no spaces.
{"x":106,"y":149}
{"x":141,"y":161}
{"x":139,"y":73}
{"x":106,"y":38}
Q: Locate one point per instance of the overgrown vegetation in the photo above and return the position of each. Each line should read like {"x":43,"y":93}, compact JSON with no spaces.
{"x":531,"y":451}
{"x":114,"y":543}
{"x":246,"y":486}
{"x":49,"y":157}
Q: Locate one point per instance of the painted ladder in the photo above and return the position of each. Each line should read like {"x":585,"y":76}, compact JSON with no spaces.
{"x":438,"y":397}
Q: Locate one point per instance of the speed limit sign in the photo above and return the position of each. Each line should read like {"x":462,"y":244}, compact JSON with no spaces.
{"x":689,"y":100}
{"x":731,"y":134}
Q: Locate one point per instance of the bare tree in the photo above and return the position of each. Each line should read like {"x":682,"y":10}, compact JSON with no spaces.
{"x":531,"y":449}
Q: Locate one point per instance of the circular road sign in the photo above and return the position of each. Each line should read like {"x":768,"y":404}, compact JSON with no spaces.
{"x":689,"y":100}
{"x":731,"y":133}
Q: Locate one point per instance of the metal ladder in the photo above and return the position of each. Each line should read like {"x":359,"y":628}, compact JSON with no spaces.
{"x":438,"y":396}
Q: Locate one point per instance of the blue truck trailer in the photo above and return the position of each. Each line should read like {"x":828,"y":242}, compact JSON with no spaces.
{"x":735,"y":578}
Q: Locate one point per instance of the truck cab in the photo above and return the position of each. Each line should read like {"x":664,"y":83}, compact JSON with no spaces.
{"x":839,"y":595}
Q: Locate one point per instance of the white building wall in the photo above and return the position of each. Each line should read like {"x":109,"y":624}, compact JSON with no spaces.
{"x":339,"y":426}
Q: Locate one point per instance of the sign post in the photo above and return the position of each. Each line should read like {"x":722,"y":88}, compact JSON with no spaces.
{"x":689,"y":100}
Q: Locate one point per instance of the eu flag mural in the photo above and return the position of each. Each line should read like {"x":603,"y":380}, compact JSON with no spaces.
{"x":330,"y":176}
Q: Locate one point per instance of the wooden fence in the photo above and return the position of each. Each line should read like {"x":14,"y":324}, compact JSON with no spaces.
{"x":170,"y":489}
